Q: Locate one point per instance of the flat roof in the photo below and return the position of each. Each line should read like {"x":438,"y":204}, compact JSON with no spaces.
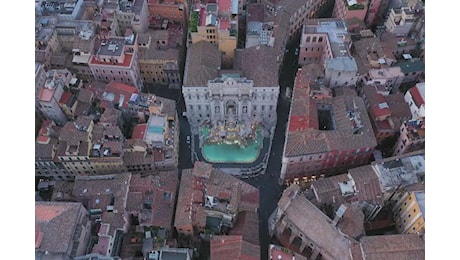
{"x":342,"y":64}
{"x":112,"y":47}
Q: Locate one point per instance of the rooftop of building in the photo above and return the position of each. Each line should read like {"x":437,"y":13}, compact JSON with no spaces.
{"x":55,"y":224}
{"x":117,"y":93}
{"x":139,"y":131}
{"x":45,"y":151}
{"x":85,"y":95}
{"x":110,"y":116}
{"x":327,"y":190}
{"x":153,"y":197}
{"x":418,"y":94}
{"x":154,"y":53}
{"x":258,"y":63}
{"x":289,"y":6}
{"x":397,"y":43}
{"x":401,"y":170}
{"x":156,"y":127}
{"x":113,"y":47}
{"x":233,"y":247}
{"x":352,"y":130}
{"x":278,"y":252}
{"x":204,"y":181}
{"x":406,"y":246}
{"x":385,"y":73}
{"x":255,"y":12}
{"x":336,"y":31}
{"x":364,"y":186}
{"x":101,"y":191}
{"x":352,"y":221}
{"x":136,"y":157}
{"x":383,"y":105}
{"x":128,"y":57}
{"x":411,"y":66}
{"x":131,"y":6}
{"x":371,"y":49}
{"x":48,"y":133}
{"x":68,"y":99}
{"x":202,"y":64}
{"x":168,"y":253}
{"x":342,"y":64}
{"x":168,"y":106}
{"x":415,"y":129}
{"x":319,"y":228}
{"x":75,"y":132}
{"x":247,"y":226}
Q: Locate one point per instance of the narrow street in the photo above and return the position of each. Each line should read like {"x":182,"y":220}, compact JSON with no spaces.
{"x":268,"y":184}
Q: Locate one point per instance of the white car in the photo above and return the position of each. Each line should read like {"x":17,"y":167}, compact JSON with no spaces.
{"x":188,"y":139}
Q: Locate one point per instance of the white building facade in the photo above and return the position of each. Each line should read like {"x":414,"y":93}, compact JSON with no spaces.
{"x":231,"y":99}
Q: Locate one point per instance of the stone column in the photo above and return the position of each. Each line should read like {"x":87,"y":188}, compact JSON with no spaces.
{"x":222,"y":109}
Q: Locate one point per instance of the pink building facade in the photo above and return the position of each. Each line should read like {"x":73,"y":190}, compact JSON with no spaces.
{"x":116,"y":60}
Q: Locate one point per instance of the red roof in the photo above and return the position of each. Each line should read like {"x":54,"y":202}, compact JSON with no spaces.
{"x":120,"y":88}
{"x":416,"y":96}
{"x":224,"y":5}
{"x":44,"y":127}
{"x":139,"y":131}
{"x":380,"y":112}
{"x":46,"y":94}
{"x":126,"y":61}
{"x":65,"y":97}
{"x":43,"y":139}
{"x":232,"y":247}
{"x":298,"y":123}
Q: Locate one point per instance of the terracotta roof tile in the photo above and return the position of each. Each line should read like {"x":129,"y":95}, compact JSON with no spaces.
{"x":57,"y":221}
{"x":367,"y":184}
{"x":98,"y":191}
{"x":247,"y":226}
{"x":110,"y":116}
{"x":327,"y":189}
{"x":259,"y":63}
{"x":233,"y":247}
{"x":119,"y":89}
{"x":407,"y":246}
{"x":416,"y":96}
{"x":202,"y":64}
{"x":318,"y":228}
{"x":190,"y":209}
{"x":139,"y":131}
{"x":342,"y":138}
{"x":352,"y":222}
{"x":255,"y":12}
